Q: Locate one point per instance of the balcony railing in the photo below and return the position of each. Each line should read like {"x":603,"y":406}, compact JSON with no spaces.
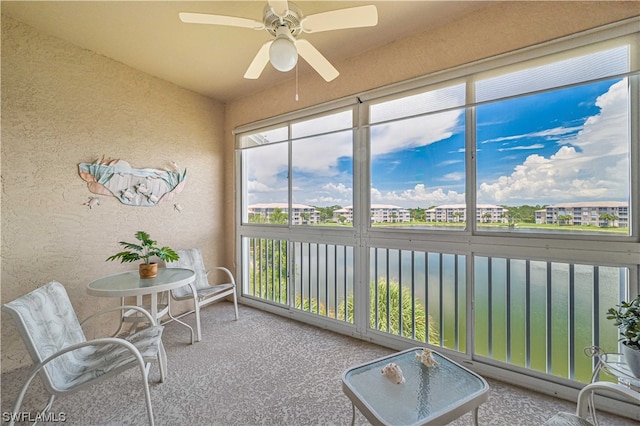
{"x":531,"y":314}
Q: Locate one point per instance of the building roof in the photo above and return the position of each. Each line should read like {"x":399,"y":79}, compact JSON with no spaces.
{"x":279,"y":205}
{"x":591,"y":204}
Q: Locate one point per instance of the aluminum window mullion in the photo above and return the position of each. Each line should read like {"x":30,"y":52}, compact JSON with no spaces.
{"x":426,"y":295}
{"x":489,"y":307}
{"x":527,"y":310}
{"x":388,"y":292}
{"x":508,"y":312}
{"x":548,"y":321}
{"x":413,"y":295}
{"x":572,"y":321}
{"x":441,"y":296}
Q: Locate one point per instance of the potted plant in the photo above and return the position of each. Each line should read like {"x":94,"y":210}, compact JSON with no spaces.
{"x":144,"y":251}
{"x":626,"y":317}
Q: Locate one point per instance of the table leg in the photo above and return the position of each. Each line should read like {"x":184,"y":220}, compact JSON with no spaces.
{"x":353,"y":414}
{"x":154,"y":306}
{"x":475,"y":416}
{"x":122,"y":316}
{"x":134,"y":326}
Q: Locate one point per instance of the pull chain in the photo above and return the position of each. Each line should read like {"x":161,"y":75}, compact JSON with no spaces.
{"x":296,"y":82}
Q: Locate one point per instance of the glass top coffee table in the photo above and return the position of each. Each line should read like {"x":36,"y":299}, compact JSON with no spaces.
{"x":430,"y":395}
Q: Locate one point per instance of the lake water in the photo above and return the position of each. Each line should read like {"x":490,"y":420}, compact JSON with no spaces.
{"x":548,"y":336}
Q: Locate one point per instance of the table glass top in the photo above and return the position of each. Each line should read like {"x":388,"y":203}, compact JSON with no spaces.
{"x":131,"y":280}
{"x":427,"y":393}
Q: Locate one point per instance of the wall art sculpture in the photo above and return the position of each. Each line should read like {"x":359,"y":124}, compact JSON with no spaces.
{"x":133,"y":187}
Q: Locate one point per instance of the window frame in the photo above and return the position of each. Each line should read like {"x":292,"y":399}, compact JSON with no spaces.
{"x":611,"y":251}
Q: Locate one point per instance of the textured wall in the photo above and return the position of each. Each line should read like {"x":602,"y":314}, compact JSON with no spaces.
{"x":62,"y":105}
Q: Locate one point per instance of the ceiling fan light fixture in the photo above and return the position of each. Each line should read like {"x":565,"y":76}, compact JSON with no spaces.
{"x":283,"y":54}
{"x":284,"y":21}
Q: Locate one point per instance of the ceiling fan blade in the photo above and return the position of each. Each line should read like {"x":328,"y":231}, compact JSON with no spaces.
{"x":259,"y":62}
{"x":354,"y":17}
{"x":232,"y":21}
{"x":316,"y":60}
{"x":280,"y":7}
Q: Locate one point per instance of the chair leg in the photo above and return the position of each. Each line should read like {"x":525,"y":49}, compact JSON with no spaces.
{"x":147,"y":394}
{"x":235,"y":303}
{"x":162,"y":362}
{"x":47,"y":407}
{"x":198,"y":327}
{"x":23,"y":391}
{"x":176,"y":319}
{"x":196,"y":309}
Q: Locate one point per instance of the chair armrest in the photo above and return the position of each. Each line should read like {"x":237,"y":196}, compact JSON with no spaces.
{"x":121,"y":308}
{"x":228,"y":272}
{"x":94,"y":342}
{"x":586,"y":392}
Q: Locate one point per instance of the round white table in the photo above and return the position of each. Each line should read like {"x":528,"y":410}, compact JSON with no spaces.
{"x":127,"y":284}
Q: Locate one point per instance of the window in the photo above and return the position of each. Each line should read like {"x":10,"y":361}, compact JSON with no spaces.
{"x":264,"y":171}
{"x":541,"y":145}
{"x":313,"y":186}
{"x":418,"y":160}
{"x":547,"y":142}
{"x":322,"y":164}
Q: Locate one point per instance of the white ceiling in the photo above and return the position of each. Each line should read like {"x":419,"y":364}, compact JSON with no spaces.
{"x":212,"y":59}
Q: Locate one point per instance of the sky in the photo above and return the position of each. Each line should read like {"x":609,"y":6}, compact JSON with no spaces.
{"x":566,"y":145}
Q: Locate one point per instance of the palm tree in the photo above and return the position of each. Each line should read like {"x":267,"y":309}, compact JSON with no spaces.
{"x":418,"y":214}
{"x":278,"y":216}
{"x":305,"y":217}
{"x":608,"y":217}
{"x":268,"y":276}
{"x":390,"y":299}
{"x":563,"y":219}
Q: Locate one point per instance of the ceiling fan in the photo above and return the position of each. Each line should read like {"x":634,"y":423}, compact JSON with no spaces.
{"x":285,"y":22}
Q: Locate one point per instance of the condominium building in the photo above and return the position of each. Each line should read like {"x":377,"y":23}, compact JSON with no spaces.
{"x":485,"y":213}
{"x":594,"y":213}
{"x":380,"y":213}
{"x":300,"y":214}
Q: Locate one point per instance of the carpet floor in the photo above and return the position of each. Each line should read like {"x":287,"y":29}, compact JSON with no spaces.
{"x":260,"y":370}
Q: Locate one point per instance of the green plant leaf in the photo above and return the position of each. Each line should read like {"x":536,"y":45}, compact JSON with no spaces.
{"x":144,"y":251}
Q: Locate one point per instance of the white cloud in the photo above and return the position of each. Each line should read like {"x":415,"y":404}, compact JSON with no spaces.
{"x":417,"y":196}
{"x":339,"y":188}
{"x":319,"y":155}
{"x":597,"y":168}
{"x":255,"y":186}
{"x":456,"y":176}
{"x":522,"y":147}
{"x":548,"y":133}
{"x":414,"y":132}
{"x":267,"y":163}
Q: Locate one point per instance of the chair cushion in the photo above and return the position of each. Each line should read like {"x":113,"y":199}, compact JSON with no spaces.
{"x":567,"y":419}
{"x":92,"y":362}
{"x":190,"y":259}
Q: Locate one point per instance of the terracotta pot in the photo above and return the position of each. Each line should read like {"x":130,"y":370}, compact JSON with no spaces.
{"x":148,"y":270}
{"x":632,"y":358}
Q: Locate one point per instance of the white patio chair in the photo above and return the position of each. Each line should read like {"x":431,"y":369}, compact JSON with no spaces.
{"x":64,"y":359}
{"x":585,"y":404}
{"x":205,"y":292}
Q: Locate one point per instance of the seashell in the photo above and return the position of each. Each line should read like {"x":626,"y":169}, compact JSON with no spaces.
{"x":426,"y":357}
{"x":177,"y":207}
{"x":93,"y":201}
{"x":393,"y":373}
{"x":127,"y":194}
{"x":141,"y":188}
